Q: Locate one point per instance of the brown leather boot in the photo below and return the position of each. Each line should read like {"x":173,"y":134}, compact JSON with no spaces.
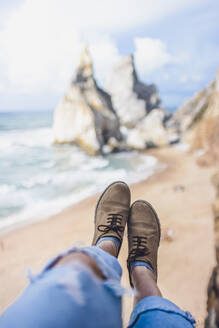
{"x":112,"y":212}
{"x":143,"y":235}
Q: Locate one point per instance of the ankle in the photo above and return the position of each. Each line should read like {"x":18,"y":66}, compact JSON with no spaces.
{"x":140,"y":273}
{"x":109,"y":247}
{"x":145,"y":283}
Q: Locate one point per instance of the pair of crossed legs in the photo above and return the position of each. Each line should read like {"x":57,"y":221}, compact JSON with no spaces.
{"x":81,"y":288}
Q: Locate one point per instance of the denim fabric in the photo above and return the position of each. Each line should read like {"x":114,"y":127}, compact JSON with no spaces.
{"x":158,"y":312}
{"x":108,"y":264}
{"x":71,"y":296}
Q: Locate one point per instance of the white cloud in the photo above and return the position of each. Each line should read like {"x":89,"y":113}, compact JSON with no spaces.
{"x":40,"y":41}
{"x":151,"y":54}
{"x":105,"y":15}
{"x":37,"y":53}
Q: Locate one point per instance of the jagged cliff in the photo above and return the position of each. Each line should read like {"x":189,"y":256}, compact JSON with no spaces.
{"x":193,"y":108}
{"x":85,"y":115}
{"x":131,"y":98}
{"x":139,"y":108}
{"x":129,"y":117}
{"x":199,"y":121}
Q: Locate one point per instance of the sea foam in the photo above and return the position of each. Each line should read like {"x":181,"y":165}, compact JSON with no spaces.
{"x":39,"y":179}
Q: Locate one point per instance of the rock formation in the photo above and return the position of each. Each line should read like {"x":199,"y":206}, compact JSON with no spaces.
{"x":199,"y":121}
{"x":212,"y":319}
{"x":193,"y":108}
{"x":139,"y":108}
{"x":215,"y":181}
{"x":134,"y":119}
{"x":149,"y":132}
{"x":132,"y":99}
{"x":85,"y":115}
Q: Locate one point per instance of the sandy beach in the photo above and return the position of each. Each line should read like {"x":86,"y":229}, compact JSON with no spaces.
{"x":182,"y":196}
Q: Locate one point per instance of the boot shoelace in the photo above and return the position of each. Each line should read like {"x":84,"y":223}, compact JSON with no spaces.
{"x":114,"y":223}
{"x":139,"y":248}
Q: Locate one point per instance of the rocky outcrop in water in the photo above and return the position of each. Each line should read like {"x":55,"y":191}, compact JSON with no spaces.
{"x":85,"y":115}
{"x":149,"y":132}
{"x":139,"y":108}
{"x":199,"y":121}
{"x":132,"y":99}
{"x":130,"y":117}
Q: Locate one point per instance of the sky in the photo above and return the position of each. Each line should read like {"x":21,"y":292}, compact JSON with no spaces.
{"x":175,"y":45}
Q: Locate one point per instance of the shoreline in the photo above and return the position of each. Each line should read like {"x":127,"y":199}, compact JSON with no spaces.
{"x":185,"y":211}
{"x":160,"y":166}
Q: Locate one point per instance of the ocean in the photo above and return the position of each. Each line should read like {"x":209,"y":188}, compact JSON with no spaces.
{"x":38,"y":178}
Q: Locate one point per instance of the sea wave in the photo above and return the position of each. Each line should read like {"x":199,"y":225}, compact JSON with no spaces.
{"x":6,"y":189}
{"x":36,"y":181}
{"x":46,"y":194}
{"x":41,"y":137}
{"x":39,"y":179}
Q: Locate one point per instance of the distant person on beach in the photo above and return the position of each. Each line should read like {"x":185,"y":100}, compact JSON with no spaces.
{"x":81,"y":287}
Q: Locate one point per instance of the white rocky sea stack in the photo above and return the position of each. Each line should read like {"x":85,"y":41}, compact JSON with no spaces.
{"x":74,"y":122}
{"x":131,"y":99}
{"x":85,"y":115}
{"x":150,"y":131}
{"x":131,"y":117}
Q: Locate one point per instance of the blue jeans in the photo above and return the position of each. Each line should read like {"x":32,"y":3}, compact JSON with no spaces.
{"x":72,"y":296}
